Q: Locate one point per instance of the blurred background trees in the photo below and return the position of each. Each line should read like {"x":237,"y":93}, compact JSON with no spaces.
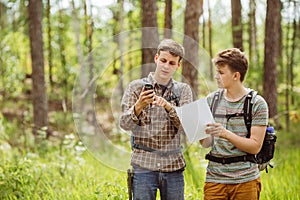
{"x":64,"y":65}
{"x":43,"y":45}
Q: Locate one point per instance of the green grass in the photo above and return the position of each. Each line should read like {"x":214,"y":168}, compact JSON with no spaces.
{"x":71,"y":176}
{"x":46,"y":170}
{"x":283,"y":181}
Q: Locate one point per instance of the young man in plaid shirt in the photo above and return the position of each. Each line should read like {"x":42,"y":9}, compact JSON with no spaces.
{"x":150,"y":115}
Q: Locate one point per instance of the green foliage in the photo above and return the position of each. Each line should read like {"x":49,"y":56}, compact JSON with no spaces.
{"x":74,"y":174}
{"x":14,"y":48}
{"x":283,"y":180}
{"x":59,"y":167}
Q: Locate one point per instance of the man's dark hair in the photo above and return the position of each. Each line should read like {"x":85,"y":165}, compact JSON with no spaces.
{"x":235,"y":59}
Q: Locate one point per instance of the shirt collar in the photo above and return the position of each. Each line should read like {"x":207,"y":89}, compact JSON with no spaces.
{"x":154,"y":82}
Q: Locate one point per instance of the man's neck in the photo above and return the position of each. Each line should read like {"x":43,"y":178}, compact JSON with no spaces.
{"x":160,"y":81}
{"x":235,"y":94}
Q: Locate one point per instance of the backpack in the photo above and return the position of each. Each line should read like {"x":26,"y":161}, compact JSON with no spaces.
{"x":267,"y":151}
{"x":175,"y":96}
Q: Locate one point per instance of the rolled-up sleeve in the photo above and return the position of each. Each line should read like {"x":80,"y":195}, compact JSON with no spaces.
{"x":128,"y":119}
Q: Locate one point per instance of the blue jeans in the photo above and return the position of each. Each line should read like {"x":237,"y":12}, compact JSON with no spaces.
{"x":146,"y":183}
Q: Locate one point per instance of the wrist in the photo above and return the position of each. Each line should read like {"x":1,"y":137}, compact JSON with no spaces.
{"x":168,"y":107}
{"x":225,"y":134}
{"x":137,"y":109}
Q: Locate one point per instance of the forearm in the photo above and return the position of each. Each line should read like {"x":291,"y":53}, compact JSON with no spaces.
{"x":248,"y":145}
{"x":137,"y":109}
{"x":127,"y":121}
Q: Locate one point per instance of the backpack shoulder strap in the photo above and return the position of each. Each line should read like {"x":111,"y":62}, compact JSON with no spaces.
{"x":248,"y":104}
{"x":176,"y":92}
{"x":176,"y":89}
{"x":218,"y":94}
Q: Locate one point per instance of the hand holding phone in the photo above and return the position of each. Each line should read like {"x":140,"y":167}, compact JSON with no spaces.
{"x":148,"y":86}
{"x":149,"y":95}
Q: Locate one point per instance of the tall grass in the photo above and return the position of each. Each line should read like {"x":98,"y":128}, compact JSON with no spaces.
{"x":30,"y":176}
{"x":49,"y":171}
{"x":283,"y":181}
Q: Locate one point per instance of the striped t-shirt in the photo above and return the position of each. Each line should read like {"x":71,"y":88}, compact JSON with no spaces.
{"x":241,"y":171}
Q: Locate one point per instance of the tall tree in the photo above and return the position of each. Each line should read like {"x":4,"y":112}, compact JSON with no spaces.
{"x":168,"y":19}
{"x":237,"y":27}
{"x":77,"y":33}
{"x":149,"y":35}
{"x":270,"y":55}
{"x":210,"y":42}
{"x":3,"y":24}
{"x":63,"y":59}
{"x":293,"y":51}
{"x":118,"y":17}
{"x":253,"y":51}
{"x":3,"y":16}
{"x":49,"y":34}
{"x":193,"y":11}
{"x":290,"y":54}
{"x":121,"y":45}
{"x":39,"y":98}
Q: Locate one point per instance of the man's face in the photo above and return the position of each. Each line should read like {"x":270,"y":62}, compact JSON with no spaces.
{"x":166,"y":65}
{"x":224,"y":76}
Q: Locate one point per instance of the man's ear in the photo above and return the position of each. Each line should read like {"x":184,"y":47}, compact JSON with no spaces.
{"x":179,"y":64}
{"x":237,"y":76}
{"x":155,"y":58}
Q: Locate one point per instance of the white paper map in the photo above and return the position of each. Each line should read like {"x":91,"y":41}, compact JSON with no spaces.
{"x":194,"y":117}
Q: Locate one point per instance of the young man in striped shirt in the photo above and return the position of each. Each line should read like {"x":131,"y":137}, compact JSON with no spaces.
{"x":238,"y":180}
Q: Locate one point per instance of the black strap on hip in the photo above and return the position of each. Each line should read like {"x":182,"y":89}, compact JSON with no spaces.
{"x":161,"y":153}
{"x":244,"y":158}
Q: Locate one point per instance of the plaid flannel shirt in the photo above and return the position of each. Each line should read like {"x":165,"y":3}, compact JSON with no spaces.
{"x":155,"y":127}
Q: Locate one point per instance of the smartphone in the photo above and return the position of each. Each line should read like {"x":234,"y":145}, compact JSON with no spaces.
{"x":148,"y":86}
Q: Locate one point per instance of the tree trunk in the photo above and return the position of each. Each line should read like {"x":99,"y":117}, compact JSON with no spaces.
{"x":168,"y":19}
{"x":39,"y":98}
{"x":121,"y":46}
{"x":63,"y":59}
{"x":280,"y":51}
{"x":289,"y":96}
{"x":237,"y":27}
{"x":293,"y":50}
{"x":287,"y":74}
{"x":49,"y":44}
{"x":193,"y":10}
{"x":3,"y":24}
{"x":270,"y":55}
{"x":149,"y":36}
{"x":210,"y":43}
{"x":77,"y":33}
{"x":253,"y":51}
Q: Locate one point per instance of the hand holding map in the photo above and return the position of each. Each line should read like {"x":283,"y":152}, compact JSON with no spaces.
{"x":194,"y":117}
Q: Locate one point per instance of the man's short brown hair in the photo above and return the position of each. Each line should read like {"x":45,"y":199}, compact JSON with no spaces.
{"x":171,"y":46}
{"x":235,"y":59}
